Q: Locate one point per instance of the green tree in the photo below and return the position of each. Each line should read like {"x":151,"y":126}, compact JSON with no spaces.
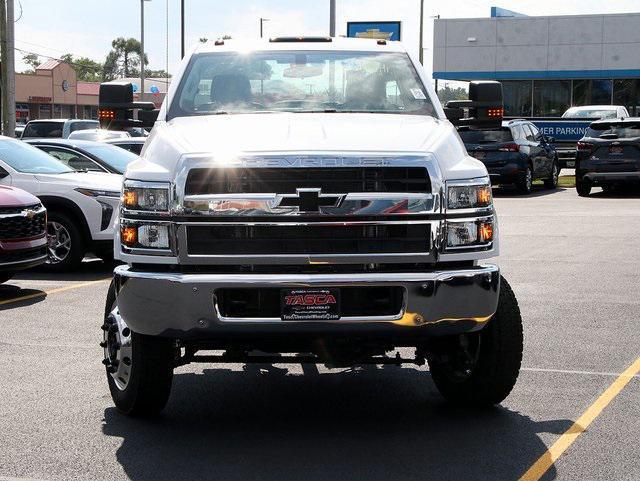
{"x":150,"y":73}
{"x":124,"y":59}
{"x":447,"y":93}
{"x":32,"y":60}
{"x":86,"y":69}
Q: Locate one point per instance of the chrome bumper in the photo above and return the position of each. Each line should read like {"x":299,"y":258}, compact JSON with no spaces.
{"x":184,"y":305}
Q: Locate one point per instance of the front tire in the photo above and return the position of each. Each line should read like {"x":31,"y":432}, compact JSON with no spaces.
{"x":139,"y":368}
{"x":583,"y":188}
{"x":552,"y":182}
{"x":6,"y":276}
{"x":525,"y":184}
{"x":480,"y":369}
{"x":65,"y":242}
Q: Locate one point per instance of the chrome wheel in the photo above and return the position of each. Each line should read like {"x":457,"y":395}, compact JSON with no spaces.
{"x":117,"y":349}
{"x":528,"y":180}
{"x":58,"y":242}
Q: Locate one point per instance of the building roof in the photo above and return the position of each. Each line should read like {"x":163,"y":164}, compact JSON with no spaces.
{"x":48,"y":65}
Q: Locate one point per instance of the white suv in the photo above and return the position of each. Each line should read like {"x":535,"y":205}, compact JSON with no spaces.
{"x":81,"y":205}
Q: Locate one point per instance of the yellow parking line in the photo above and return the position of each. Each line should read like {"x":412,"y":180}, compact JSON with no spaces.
{"x":52,"y":291}
{"x":544,"y":462}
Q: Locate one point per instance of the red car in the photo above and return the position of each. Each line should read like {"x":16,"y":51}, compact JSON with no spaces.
{"x":23,"y":229}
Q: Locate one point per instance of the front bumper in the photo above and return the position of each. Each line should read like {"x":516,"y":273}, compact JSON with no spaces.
{"x":22,"y":254}
{"x":183,"y":306}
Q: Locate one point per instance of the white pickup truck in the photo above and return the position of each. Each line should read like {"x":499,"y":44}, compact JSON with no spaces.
{"x":306,"y":200}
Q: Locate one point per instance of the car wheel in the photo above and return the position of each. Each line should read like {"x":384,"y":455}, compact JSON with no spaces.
{"x":139,"y":368}
{"x":552,"y":181}
{"x":481,"y":368}
{"x":64,"y":241}
{"x":5,"y":276}
{"x":583,"y":188}
{"x":525,"y":184}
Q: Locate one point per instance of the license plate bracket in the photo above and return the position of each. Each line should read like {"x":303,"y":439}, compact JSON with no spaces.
{"x":310,"y":304}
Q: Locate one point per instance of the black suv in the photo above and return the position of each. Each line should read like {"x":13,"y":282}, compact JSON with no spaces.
{"x":608,"y":155}
{"x":515,"y":154}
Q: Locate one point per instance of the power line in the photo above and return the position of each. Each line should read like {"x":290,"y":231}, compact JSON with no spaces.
{"x":74,"y":64}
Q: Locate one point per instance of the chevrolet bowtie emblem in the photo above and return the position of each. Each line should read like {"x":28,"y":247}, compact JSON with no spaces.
{"x":29,"y":214}
{"x":310,"y":200}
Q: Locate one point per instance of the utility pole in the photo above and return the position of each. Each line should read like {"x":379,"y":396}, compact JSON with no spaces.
{"x":332,"y":18}
{"x":181,"y":28}
{"x":7,"y":41}
{"x":421,"y":52}
{"x":142,"y":48}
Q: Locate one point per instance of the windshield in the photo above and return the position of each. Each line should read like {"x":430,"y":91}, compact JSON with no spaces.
{"x":85,"y":124}
{"x":590,"y":113}
{"x":115,"y":157}
{"x":619,"y":131}
{"x":486,"y":136}
{"x":300,"y":81}
{"x":43,"y":129}
{"x":27,"y":159}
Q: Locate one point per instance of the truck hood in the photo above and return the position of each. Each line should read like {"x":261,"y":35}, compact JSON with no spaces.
{"x":87,"y":180}
{"x":305,"y":132}
{"x":226,"y":136}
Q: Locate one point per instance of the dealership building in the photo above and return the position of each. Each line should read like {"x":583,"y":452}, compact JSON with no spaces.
{"x":53,"y":92}
{"x":545,"y":64}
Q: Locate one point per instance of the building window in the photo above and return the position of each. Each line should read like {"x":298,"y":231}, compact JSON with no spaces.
{"x":551,"y":97}
{"x":592,"y":92}
{"x":517,"y":98}
{"x":627,"y":92}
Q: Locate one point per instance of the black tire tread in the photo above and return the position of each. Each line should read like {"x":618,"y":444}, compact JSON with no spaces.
{"x":550,"y":183}
{"x":151,"y":377}
{"x":500,"y":359}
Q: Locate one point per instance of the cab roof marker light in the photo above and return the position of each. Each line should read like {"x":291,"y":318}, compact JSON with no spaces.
{"x":300,"y":39}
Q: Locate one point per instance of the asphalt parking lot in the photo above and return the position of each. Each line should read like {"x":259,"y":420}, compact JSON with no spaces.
{"x":574,"y":264}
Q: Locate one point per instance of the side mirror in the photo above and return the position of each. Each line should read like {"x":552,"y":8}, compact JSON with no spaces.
{"x":117,"y":110}
{"x":483,"y":110}
{"x":550,"y":140}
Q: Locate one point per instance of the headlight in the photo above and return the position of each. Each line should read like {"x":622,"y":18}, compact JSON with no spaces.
{"x":148,"y":197}
{"x":145,"y":236}
{"x":469,"y":233}
{"x":97,"y":193}
{"x":469,"y":196}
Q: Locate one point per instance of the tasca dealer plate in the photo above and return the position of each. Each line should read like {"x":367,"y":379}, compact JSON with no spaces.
{"x":317,"y":304}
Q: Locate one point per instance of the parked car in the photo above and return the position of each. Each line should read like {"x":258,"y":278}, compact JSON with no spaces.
{"x":608,"y":155}
{"x":81,"y":205}
{"x":516,"y":154}
{"x":569,"y":128}
{"x":56,"y":128}
{"x":87,"y":155}
{"x":23,"y":225}
{"x":19,"y":129}
{"x":98,"y":135}
{"x":596,"y":112}
{"x":132,"y":145}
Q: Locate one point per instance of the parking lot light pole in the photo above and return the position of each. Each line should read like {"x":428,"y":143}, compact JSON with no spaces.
{"x":181,"y":28}
{"x":332,"y":18}
{"x":262,"y":20}
{"x":142,"y":48}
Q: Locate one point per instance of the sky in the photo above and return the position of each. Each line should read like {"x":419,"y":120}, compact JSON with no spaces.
{"x":87,"y":27}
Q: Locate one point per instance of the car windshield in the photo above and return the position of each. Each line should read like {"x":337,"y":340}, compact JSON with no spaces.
{"x":486,"y":136}
{"x":300,"y":81}
{"x":83,"y":125}
{"x":576,"y":113}
{"x":618,"y":131}
{"x":29,"y":160}
{"x":115,"y":157}
{"x":43,"y":129}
